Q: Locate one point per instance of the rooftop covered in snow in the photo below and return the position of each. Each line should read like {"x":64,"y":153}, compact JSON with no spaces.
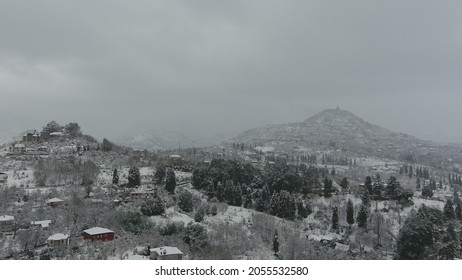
{"x":54,"y":199}
{"x":4,"y":218}
{"x":167,"y":250}
{"x":97,"y":230}
{"x":58,"y":236}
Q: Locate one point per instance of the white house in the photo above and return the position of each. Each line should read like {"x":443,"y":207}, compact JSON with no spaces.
{"x":58,"y":241}
{"x":17,"y":149}
{"x":3,"y":179}
{"x":45,"y":224}
{"x":166,"y":253}
{"x":6,"y":223}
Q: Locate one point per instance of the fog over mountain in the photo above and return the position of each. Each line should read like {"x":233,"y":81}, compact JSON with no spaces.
{"x":208,"y":67}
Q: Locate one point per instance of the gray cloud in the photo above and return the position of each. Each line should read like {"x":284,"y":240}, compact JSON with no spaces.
{"x":217,"y":66}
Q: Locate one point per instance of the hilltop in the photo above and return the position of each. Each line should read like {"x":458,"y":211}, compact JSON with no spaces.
{"x":337,"y":129}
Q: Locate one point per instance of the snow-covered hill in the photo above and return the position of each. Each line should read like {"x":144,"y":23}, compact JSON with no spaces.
{"x":337,"y":129}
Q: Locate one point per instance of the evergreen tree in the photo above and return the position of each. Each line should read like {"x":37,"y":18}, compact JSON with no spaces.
{"x":106,"y":146}
{"x":134,"y":176}
{"x":185,"y":201}
{"x":427,"y":192}
{"x":332,"y":172}
{"x":51,"y":127}
{"x":283,"y":205}
{"x":414,"y":237}
{"x":350,"y":213}
{"x":199,"y":215}
{"x":448,"y":210}
{"x":73,"y":129}
{"x":262,"y":202}
{"x":115,"y":177}
{"x":449,"y":246}
{"x":335,"y":218}
{"x":276,"y":242}
{"x":233,"y":194}
{"x":160,"y":173}
{"x":344,"y":184}
{"x":392,"y":188}
{"x":302,"y":210}
{"x":153,"y":207}
{"x":418,"y":184}
{"x":368,"y":185}
{"x":458,"y":212}
{"x":327,"y":187}
{"x":170,"y":181}
{"x":362,"y":217}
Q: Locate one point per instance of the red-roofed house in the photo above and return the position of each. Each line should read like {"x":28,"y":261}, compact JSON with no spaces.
{"x":54,"y":202}
{"x":98,"y":233}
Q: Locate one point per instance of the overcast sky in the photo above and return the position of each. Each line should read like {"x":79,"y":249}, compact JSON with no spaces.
{"x":211,"y":66}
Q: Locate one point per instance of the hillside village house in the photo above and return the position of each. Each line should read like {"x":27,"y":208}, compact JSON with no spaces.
{"x":3,"y":179}
{"x":142,"y":194}
{"x":17,"y":149}
{"x":166,"y":253}
{"x":54,"y":202}
{"x":97,"y":233}
{"x":58,"y":241}
{"x":6,"y":224}
{"x":30,"y":138}
{"x":45,"y":224}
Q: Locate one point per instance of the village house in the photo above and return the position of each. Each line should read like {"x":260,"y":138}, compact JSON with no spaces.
{"x":3,"y":179}
{"x":142,"y":194}
{"x":17,"y":149}
{"x":97,"y":233}
{"x":45,"y":224}
{"x":30,"y":138}
{"x":58,"y":241}
{"x":166,"y":253}
{"x":54,"y":202}
{"x":6,"y":224}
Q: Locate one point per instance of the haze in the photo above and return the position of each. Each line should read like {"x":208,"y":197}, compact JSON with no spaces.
{"x":207,"y":67}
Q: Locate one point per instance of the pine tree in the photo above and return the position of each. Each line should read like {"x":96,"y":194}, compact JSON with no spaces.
{"x":427,"y":192}
{"x":362,"y":217}
{"x":283,"y":205}
{"x":185,"y":201}
{"x":160,"y":173}
{"x":327,"y":187}
{"x":115,"y":177}
{"x":153,"y":207}
{"x":448,"y":210}
{"x":449,"y":246}
{"x":350,"y":213}
{"x":335,"y":218}
{"x":332,"y":172}
{"x":302,"y":210}
{"x":262,"y":203}
{"x":344,"y":184}
{"x":134,"y":177}
{"x":106,"y":146}
{"x":170,"y":181}
{"x":368,"y":184}
{"x":276,"y":242}
{"x":458,"y":212}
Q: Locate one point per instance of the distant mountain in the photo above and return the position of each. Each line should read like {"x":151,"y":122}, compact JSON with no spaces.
{"x":162,"y":139}
{"x":337,"y":129}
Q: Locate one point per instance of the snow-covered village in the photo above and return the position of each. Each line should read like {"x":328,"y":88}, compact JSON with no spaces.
{"x":66,"y":195}
{"x":239,"y":134}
